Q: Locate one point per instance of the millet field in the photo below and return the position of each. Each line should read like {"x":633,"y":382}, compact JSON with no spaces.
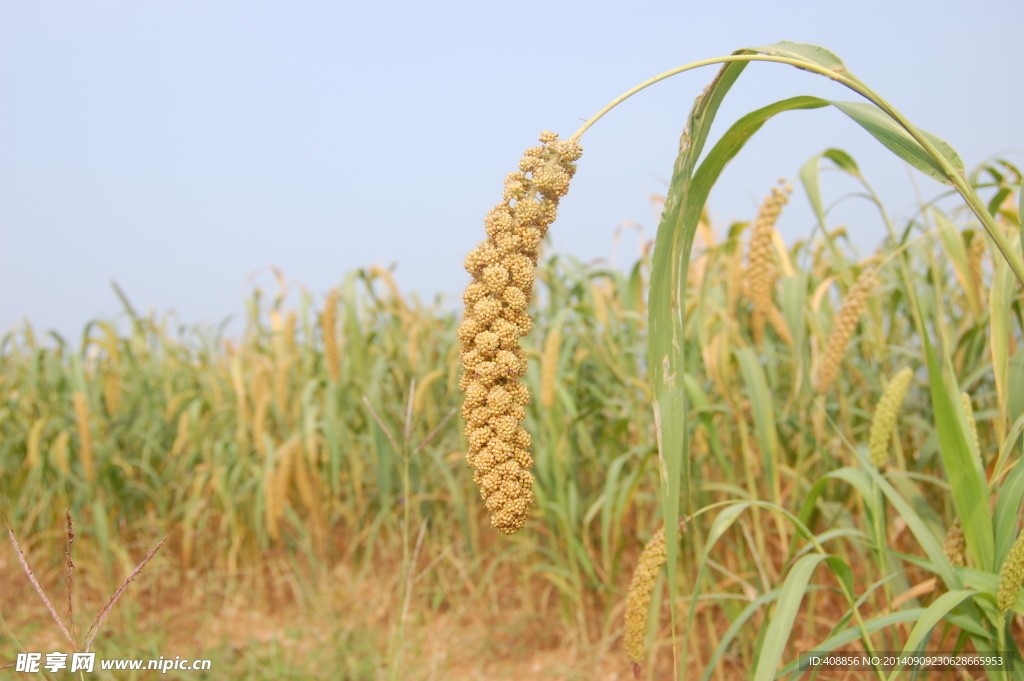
{"x":707,"y":465}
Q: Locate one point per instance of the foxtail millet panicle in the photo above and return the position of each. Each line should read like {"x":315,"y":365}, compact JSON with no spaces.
{"x":844,"y":323}
{"x":549,"y":368}
{"x":33,"y":450}
{"x":112,"y":390}
{"x":954,"y":547}
{"x":975,"y":263}
{"x":1011,"y":576}
{"x":761,"y":273}
{"x":328,"y":324}
{"x":59,"y":455}
{"x":85,"y":451}
{"x":496,"y":318}
{"x":276,"y":486}
{"x":641,"y":589}
{"x":883,"y":423}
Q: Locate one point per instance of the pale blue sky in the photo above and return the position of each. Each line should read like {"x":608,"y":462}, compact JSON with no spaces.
{"x":182,"y":147}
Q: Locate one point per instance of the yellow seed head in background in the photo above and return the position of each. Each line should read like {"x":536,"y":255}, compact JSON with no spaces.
{"x":955,"y":546}
{"x":303,"y":477}
{"x":975,"y":264}
{"x":181,"y":438}
{"x":1011,"y":577}
{"x":883,"y":423}
{"x":284,"y":356}
{"x":761,"y":273}
{"x":328,"y":323}
{"x":33,"y":457}
{"x":85,"y":452}
{"x":496,"y":317}
{"x":597,"y":294}
{"x":641,"y":589}
{"x":276,"y":487}
{"x":549,"y":368}
{"x":59,"y":453}
{"x":955,"y":549}
{"x":112,"y":390}
{"x":757,"y":326}
{"x":843,"y":326}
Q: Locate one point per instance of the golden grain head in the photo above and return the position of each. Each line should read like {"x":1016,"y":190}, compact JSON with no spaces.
{"x":112,"y":391}
{"x":1011,"y":577}
{"x":33,"y":457}
{"x":883,"y":423}
{"x":761,"y":275}
{"x":955,"y":546}
{"x":496,"y":318}
{"x":843,"y":325}
{"x":760,"y":268}
{"x":975,"y":261}
{"x":85,"y":451}
{"x":641,"y":589}
{"x":304,"y":477}
{"x":181,"y":436}
{"x":59,"y":452}
{"x":328,"y":324}
{"x":276,"y":488}
{"x":549,"y":368}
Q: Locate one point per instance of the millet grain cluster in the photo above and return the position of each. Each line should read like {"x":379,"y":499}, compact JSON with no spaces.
{"x":1011,"y":577}
{"x":761,"y":274}
{"x":843,"y":325}
{"x":641,"y":589}
{"x":496,"y":318}
{"x":883,"y":423}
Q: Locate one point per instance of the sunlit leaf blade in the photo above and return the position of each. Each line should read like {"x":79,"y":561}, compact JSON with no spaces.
{"x":968,"y":486}
{"x":1007,"y":513}
{"x":810,"y":178}
{"x":999,"y":304}
{"x":666,"y":356}
{"x":852,"y":634}
{"x":723,"y":521}
{"x":812,"y":54}
{"x":687,"y":194}
{"x":933,"y":615}
{"x":843,"y":161}
{"x":897,"y":140}
{"x":794,"y":301}
{"x":743,"y":129}
{"x":764,"y":413}
{"x":781,"y":624}
{"x":931,"y":546}
{"x":734,"y":629}
{"x":1015,"y":388}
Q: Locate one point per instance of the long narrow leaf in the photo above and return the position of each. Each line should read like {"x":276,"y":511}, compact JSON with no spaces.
{"x":966,"y":479}
{"x":781,"y":624}
{"x":666,"y":358}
